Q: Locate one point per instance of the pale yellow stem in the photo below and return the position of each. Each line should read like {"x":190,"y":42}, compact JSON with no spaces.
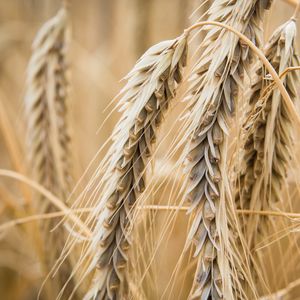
{"x":39,"y":217}
{"x":239,"y":211}
{"x":57,"y":214}
{"x":297,"y":10}
{"x":291,"y":2}
{"x":54,"y":200}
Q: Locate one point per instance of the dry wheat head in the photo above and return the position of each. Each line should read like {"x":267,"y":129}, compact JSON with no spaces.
{"x":214,"y":88}
{"x":151,"y":85}
{"x":268,"y":131}
{"x":48,"y":138}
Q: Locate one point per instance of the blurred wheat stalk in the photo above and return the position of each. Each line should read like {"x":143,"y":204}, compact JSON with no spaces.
{"x":48,"y":137}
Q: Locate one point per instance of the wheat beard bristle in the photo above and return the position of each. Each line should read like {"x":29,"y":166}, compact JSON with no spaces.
{"x":268,"y":133}
{"x":151,"y":86}
{"x":213,"y":91}
{"x":48,"y":138}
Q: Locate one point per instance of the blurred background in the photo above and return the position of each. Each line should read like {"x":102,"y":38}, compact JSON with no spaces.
{"x":108,"y":36}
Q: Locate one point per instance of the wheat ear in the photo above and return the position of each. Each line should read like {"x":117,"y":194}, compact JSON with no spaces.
{"x":151,"y":86}
{"x":45,"y":104}
{"x":268,"y":132}
{"x":214,"y":89}
{"x":48,"y":138}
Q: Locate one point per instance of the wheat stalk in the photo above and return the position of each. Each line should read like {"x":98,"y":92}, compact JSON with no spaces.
{"x":48,"y":138}
{"x":268,"y":132}
{"x":213,"y":91}
{"x":151,"y":86}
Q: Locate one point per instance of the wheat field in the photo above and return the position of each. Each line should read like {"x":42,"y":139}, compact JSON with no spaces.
{"x":149,"y":149}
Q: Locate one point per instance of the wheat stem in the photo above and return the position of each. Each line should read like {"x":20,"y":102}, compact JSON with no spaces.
{"x":13,"y":146}
{"x":283,"y":293}
{"x":52,"y":198}
{"x":38,"y":217}
{"x":239,"y":211}
{"x":297,"y":11}
{"x":292,"y":2}
{"x":19,"y":221}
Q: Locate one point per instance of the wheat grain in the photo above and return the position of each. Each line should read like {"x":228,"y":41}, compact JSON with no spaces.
{"x":213,"y":91}
{"x":48,"y":138}
{"x":268,"y":132}
{"x":151,"y":86}
{"x":45,"y":104}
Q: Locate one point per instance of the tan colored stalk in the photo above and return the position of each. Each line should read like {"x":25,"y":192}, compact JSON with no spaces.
{"x":56,"y":202}
{"x":268,"y":133}
{"x":214,"y":89}
{"x":151,"y":86}
{"x":292,"y":2}
{"x":12,"y":145}
{"x":48,"y":138}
